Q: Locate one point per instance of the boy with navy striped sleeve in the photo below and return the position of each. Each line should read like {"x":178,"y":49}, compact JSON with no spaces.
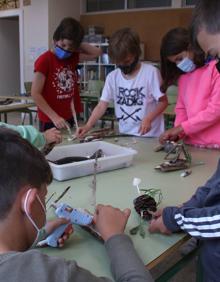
{"x":199,"y":217}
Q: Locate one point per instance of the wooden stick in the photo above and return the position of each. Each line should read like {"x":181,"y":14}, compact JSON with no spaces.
{"x":62,"y":194}
{"x":74,"y":114}
{"x":68,"y":129}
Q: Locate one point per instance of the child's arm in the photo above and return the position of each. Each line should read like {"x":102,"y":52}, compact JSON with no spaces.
{"x":198,"y":222}
{"x":97,"y":113}
{"x":146,"y":122}
{"x":125,"y":263}
{"x":102,"y":106}
{"x":192,"y":216}
{"x":180,"y":108}
{"x":28,"y":132}
{"x":36,"y":93}
{"x":52,"y":225}
{"x":172,"y":134}
{"x":176,"y":132}
{"x":210,"y":115}
{"x":187,"y":217}
{"x":35,"y":137}
{"x":88,"y":52}
{"x":52,"y":135}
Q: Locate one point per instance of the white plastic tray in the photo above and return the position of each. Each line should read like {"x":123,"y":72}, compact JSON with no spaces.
{"x":115,"y":157}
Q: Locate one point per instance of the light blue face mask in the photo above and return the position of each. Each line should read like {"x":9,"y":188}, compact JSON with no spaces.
{"x":41,"y":233}
{"x":61,"y":53}
{"x":186,"y":65}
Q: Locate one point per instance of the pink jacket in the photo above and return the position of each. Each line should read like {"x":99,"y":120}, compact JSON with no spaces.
{"x":198,"y":106}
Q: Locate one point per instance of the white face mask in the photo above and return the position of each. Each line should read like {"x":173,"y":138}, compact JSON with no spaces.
{"x":186,"y":65}
{"x":41,"y":233}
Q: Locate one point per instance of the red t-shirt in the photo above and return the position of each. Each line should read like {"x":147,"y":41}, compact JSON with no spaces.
{"x":60,"y":84}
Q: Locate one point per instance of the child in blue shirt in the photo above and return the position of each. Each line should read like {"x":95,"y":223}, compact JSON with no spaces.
{"x":35,"y":137}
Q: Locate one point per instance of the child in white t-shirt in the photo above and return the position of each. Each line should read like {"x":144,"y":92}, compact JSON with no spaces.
{"x":134,"y":87}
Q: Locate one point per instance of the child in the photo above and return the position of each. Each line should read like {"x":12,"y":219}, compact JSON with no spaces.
{"x":25,"y":175}
{"x":135,"y":89}
{"x":205,"y":28}
{"x":200,"y":217}
{"x":198,"y":102}
{"x":35,"y":137}
{"x":54,"y":85}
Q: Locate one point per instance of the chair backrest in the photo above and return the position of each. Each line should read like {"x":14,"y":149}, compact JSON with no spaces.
{"x":95,"y":87}
{"x":27,"y":86}
{"x":172,"y":92}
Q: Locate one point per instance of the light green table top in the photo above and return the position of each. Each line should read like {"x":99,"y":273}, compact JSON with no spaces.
{"x":115,"y":188}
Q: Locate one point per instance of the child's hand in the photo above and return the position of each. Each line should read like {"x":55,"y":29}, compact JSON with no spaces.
{"x":54,"y":224}
{"x":81,"y":131}
{"x":110,"y":221}
{"x":59,"y":122}
{"x":171,"y":134}
{"x":145,"y":126}
{"x":52,"y":136}
{"x":157,"y":213}
{"x":157,"y":226}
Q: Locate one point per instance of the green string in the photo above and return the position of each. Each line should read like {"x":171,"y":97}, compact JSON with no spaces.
{"x":156,"y":194}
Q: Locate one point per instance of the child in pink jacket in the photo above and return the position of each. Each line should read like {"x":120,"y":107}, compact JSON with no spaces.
{"x":198,"y":103}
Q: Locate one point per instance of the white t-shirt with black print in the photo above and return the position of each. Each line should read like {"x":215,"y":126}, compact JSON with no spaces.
{"x":134,"y":99}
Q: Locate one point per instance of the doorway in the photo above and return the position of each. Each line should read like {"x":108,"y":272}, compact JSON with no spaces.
{"x":11,"y":55}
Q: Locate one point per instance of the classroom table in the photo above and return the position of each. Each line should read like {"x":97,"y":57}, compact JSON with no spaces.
{"x":17,"y":98}
{"x":20,"y":104}
{"x":115,"y":188}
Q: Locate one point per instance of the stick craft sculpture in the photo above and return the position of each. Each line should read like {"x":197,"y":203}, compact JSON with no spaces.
{"x":177,"y":158}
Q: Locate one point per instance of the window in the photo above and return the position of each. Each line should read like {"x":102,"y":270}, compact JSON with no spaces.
{"x":132,"y":4}
{"x":112,"y":5}
{"x":104,"y":5}
{"x":190,"y":2}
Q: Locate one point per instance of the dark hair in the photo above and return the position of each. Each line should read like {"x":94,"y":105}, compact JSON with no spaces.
{"x":21,"y":164}
{"x":206,"y":15}
{"x":122,"y":43}
{"x":70,"y":29}
{"x":174,"y":42}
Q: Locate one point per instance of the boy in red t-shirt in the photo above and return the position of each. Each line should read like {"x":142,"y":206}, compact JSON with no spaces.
{"x":54,"y":86}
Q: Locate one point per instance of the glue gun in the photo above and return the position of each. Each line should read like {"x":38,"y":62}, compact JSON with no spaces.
{"x":76,"y":216}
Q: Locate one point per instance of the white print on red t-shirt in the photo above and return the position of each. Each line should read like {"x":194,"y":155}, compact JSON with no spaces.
{"x":64,"y":80}
{"x":66,"y":96}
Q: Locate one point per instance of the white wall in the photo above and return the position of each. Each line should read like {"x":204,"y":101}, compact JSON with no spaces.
{"x":9,"y":56}
{"x":58,"y":10}
{"x":40,"y":20}
{"x":35,"y":34}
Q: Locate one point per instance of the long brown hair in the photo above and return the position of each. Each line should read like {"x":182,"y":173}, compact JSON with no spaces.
{"x":174,"y":42}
